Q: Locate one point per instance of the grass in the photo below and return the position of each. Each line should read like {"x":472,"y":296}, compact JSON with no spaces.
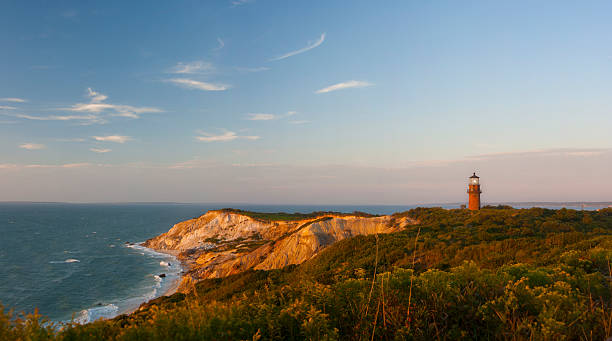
{"x":282,"y":216}
{"x":496,"y":274}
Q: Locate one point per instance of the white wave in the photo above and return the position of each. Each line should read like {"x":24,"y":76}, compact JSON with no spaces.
{"x":151,"y":290}
{"x":69,"y":260}
{"x":95,"y":313}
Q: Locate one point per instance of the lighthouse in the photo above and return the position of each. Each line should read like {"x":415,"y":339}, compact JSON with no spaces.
{"x":474,"y":193}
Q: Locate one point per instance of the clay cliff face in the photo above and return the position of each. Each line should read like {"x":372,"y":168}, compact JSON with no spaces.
{"x":221,"y":243}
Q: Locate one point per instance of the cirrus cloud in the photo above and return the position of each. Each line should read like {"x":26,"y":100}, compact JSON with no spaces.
{"x":225,"y":137}
{"x":198,"y":85}
{"x":308,"y":47}
{"x":112,"y":138}
{"x":100,"y":150}
{"x":344,"y":85}
{"x":32,"y":146}
{"x":198,"y":66}
{"x":13,"y":99}
{"x":261,"y":117}
{"x":268,"y":117}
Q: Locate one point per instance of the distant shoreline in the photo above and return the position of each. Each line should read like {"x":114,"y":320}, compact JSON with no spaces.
{"x":250,"y":205}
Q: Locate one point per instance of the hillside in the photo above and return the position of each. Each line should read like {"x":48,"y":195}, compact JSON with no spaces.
{"x":499,"y":273}
{"x":226,"y":242}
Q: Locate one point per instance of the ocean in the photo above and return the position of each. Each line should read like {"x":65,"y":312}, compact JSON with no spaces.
{"x":77,"y":261}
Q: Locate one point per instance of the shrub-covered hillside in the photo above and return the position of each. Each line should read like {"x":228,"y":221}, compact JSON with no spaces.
{"x":499,"y":273}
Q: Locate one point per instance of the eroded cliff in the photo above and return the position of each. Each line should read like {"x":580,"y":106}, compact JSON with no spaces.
{"x":224,"y":242}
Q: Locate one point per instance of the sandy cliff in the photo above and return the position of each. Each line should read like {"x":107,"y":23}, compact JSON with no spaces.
{"x":221,"y":243}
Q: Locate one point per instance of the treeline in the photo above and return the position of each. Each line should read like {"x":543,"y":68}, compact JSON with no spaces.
{"x":493,"y":274}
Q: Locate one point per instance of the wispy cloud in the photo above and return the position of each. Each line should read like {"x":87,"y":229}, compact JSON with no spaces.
{"x":225,"y":137}
{"x":193,"y":84}
{"x":100,"y":150}
{"x":13,"y":99}
{"x":268,"y":117}
{"x":197,"y":66}
{"x":583,"y":152}
{"x":236,"y":3}
{"x":344,"y":85}
{"x":252,"y":69}
{"x":299,"y":122}
{"x":310,"y":46}
{"x":66,"y":165}
{"x":261,"y":117}
{"x":97,"y":106}
{"x":32,"y":146}
{"x":6,"y":107}
{"x":191,"y":164}
{"x":221,"y":44}
{"x":96,"y":97}
{"x":86,"y":118}
{"x":112,"y":138}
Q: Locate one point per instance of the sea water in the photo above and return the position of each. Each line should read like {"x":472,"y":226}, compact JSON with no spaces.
{"x":82,"y":262}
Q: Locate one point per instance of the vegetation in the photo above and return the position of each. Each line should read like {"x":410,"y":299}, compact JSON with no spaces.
{"x":498,"y":273}
{"x":282,"y":216}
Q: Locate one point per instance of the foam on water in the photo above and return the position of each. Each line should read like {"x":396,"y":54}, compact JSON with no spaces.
{"x":157,"y":287}
{"x":69,"y":260}
{"x":95,"y":313}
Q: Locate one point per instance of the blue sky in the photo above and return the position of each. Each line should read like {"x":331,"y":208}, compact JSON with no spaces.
{"x":305,"y":101}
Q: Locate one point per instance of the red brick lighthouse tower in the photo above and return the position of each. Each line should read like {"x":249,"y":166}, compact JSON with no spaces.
{"x":474,"y":193}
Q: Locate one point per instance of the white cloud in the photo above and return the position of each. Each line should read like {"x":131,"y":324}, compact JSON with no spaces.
{"x":221,"y":44}
{"x":100,"y":150}
{"x":112,"y":138}
{"x":192,"y":67}
{"x":193,"y":84}
{"x":268,"y":117}
{"x":96,"y":97}
{"x":32,"y":146}
{"x":344,"y":85}
{"x":13,"y":99}
{"x":240,"y":2}
{"x":261,"y":117}
{"x":310,"y":46}
{"x":85,"y":118}
{"x":252,"y":69}
{"x":6,"y":107}
{"x":225,"y":137}
{"x":97,"y":107}
{"x":66,"y":165}
{"x":584,"y":152}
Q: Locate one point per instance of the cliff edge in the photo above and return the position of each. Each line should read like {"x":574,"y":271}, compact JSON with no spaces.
{"x":225,"y":242}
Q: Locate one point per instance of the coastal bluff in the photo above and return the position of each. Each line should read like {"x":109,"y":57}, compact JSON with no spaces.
{"x":226,"y":242}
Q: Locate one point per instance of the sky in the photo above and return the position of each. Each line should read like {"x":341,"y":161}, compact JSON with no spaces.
{"x":305,"y":102}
